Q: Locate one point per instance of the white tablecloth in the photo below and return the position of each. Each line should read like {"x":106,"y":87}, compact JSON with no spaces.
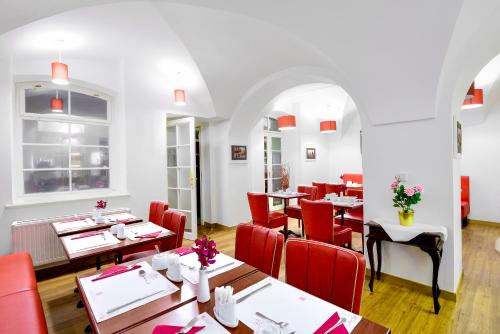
{"x":399,"y":232}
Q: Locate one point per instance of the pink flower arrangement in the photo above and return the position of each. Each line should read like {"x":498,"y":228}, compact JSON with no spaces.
{"x":405,"y":196}
{"x":206,"y":251}
{"x":101,"y":204}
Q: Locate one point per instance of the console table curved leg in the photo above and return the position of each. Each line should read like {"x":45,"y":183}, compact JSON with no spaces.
{"x":436,"y":261}
{"x":369,"y":245}
{"x":379,"y":257}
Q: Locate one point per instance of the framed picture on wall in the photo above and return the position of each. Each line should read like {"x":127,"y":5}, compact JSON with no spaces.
{"x":458,"y":135}
{"x":238,"y":153}
{"x":310,"y":154}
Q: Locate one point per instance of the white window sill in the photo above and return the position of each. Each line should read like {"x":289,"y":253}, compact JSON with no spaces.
{"x":58,"y":198}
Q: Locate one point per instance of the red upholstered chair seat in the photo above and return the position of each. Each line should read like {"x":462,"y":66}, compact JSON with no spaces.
{"x":22,"y":312}
{"x":16,"y":274}
{"x":465,"y":209}
{"x":277,"y":219}
{"x":465,"y":196}
{"x":342,"y":235}
{"x":326,"y":271}
{"x":259,"y":247}
{"x":20,"y":306}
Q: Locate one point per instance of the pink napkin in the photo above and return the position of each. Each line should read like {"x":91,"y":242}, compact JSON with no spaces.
{"x":167,"y":329}
{"x":71,"y":219}
{"x":123,"y":220}
{"x":184,"y":251}
{"x":115,"y":270}
{"x":329,"y":324}
{"x":87,"y":234}
{"x":149,"y":235}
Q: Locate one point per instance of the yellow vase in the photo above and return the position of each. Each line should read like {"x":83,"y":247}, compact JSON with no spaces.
{"x":406,"y":218}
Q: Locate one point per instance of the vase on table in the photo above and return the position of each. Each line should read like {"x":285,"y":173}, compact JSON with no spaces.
{"x":406,"y":218}
{"x":98,"y":218}
{"x":203,"y":295}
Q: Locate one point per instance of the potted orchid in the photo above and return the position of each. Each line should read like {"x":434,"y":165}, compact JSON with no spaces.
{"x":206,"y":251}
{"x":100,"y":205}
{"x":404,"y":198}
{"x":285,"y":177}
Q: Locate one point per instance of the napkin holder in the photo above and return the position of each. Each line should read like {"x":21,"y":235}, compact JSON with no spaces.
{"x":174,"y":268}
{"x":159,"y":262}
{"x":225,"y":313}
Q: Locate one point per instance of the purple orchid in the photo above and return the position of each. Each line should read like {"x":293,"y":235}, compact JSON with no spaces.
{"x":101,"y":204}
{"x":206,"y":251}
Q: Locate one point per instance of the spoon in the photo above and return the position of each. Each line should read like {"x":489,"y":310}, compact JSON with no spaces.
{"x":340,"y":322}
{"x":281,"y":324}
{"x":142,"y":273}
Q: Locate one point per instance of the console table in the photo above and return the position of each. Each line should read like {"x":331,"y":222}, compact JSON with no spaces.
{"x":429,"y":242}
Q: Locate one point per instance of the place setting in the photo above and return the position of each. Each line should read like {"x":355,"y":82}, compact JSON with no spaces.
{"x":139,"y":231}
{"x":88,"y":240}
{"x":73,"y":223}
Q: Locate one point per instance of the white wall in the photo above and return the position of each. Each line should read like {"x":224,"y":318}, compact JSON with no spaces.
{"x":480,"y":161}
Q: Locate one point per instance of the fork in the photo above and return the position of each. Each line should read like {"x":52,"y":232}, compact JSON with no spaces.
{"x":189,"y":326}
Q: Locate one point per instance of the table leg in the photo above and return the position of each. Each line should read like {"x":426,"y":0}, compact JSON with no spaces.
{"x":342,"y":212}
{"x":88,"y":329}
{"x":379,"y":258}
{"x":436,"y":261}
{"x":369,"y":245}
{"x":98,"y":263}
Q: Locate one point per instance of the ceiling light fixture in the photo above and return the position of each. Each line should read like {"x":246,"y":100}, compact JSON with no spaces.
{"x":286,"y":122}
{"x":328,"y":126}
{"x":60,"y":70}
{"x":476,"y":101}
{"x":180,"y":97}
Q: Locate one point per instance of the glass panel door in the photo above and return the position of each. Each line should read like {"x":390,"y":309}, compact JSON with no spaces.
{"x":181,"y":169}
{"x":272,"y":161}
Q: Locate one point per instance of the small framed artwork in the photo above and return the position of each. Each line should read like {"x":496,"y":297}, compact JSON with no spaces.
{"x":310,"y":154}
{"x":238,"y":153}
{"x":458,"y":138}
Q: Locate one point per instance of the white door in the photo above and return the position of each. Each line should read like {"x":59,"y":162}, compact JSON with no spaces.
{"x":272,"y":161}
{"x":181,"y":166}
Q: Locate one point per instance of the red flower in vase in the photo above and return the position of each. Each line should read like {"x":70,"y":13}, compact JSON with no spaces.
{"x":206,"y":251}
{"x":101,"y":204}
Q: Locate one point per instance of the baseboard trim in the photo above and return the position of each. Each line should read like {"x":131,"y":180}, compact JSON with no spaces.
{"x":423,"y":288}
{"x":484,"y":222}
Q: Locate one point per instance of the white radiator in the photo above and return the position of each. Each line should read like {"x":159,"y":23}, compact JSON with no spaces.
{"x":38,"y":238}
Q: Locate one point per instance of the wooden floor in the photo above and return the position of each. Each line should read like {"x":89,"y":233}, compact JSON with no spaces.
{"x":393,"y":304}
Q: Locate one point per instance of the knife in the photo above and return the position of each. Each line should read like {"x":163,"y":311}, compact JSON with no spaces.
{"x":215,"y":269}
{"x":114,"y":309}
{"x":268,"y":284}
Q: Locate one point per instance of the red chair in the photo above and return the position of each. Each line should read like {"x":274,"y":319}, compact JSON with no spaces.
{"x":156,"y":210}
{"x":326,"y":271}
{"x":294,"y":211}
{"x":259,"y":247}
{"x":354,"y":217}
{"x":321,"y":189}
{"x":335,"y":188}
{"x":354,"y":178}
{"x":259,"y":207}
{"x":465,"y":199}
{"x":319,"y":226}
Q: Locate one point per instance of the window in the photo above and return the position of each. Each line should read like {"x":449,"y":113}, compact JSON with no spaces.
{"x":67,"y":150}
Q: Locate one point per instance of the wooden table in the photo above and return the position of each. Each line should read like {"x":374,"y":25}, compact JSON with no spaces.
{"x":111,"y":249}
{"x":183,"y":314}
{"x":157,"y":308}
{"x":341,"y":207}
{"x":91,"y":228}
{"x":286,"y":197}
{"x":431,"y":243}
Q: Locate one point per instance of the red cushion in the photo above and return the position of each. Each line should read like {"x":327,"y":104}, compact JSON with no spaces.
{"x":354,"y":178}
{"x":174,"y":221}
{"x":16,"y":274}
{"x":329,"y":272}
{"x":294,"y":211}
{"x":465,"y":188}
{"x":22,"y":312}
{"x":277,"y":219}
{"x":465,"y":208}
{"x":259,"y":247}
{"x":156,"y":210}
{"x":341,"y":235}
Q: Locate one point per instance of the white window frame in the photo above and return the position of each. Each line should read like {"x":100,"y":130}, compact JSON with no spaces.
{"x":18,"y":149}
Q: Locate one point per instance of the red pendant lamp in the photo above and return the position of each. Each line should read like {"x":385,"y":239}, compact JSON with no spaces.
{"x":328,"y":126}
{"x":180,"y":97}
{"x":56,"y":104}
{"x":476,"y":101}
{"x":286,"y":122}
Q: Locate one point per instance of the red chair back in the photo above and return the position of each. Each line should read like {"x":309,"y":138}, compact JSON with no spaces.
{"x":174,"y":221}
{"x":259,"y":207}
{"x":156,"y":210}
{"x":326,"y":271}
{"x":321,"y":189}
{"x":318,"y":220}
{"x":259,"y":247}
{"x":311,"y":190}
{"x":335,"y":188}
{"x":464,"y":182}
{"x":354,"y":178}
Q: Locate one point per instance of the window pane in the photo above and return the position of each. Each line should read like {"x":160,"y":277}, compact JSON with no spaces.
{"x":46,"y":181}
{"x":276,"y":157}
{"x":37,"y":100}
{"x":45,"y":156}
{"x":273,"y":124}
{"x":276,"y":144}
{"x":84,"y":157}
{"x":171,"y":157}
{"x":276,"y":171}
{"x":39,"y":132}
{"x":90,"y":179}
{"x":88,"y":106}
{"x":276,"y":184}
{"x":89,"y":135}
{"x":172,"y":135}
